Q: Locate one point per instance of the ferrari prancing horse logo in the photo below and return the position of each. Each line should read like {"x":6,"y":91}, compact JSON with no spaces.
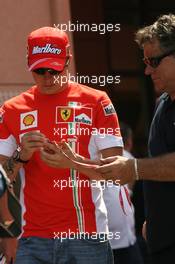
{"x":65,"y":114}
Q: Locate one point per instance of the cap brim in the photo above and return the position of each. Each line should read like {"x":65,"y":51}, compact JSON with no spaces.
{"x":51,"y":63}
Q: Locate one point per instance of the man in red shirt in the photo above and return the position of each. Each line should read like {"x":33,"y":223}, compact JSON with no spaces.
{"x":64,"y":218}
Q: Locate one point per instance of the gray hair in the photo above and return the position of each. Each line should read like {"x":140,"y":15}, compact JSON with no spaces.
{"x":162,"y":30}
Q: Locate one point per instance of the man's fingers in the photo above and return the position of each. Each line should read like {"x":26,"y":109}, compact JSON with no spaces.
{"x":46,"y":155}
{"x":49,"y":156}
{"x":51,"y":148}
{"x":104,"y":169}
{"x":34,"y":138}
{"x":108,"y":160}
{"x":32,"y":141}
{"x":67,"y":149}
{"x":89,"y":172}
{"x":34,"y":133}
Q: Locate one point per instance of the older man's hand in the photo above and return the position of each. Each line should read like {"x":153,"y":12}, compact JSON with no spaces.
{"x":117,"y":168}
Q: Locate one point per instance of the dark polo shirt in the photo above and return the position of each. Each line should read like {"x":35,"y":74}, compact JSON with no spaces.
{"x":160,"y":196}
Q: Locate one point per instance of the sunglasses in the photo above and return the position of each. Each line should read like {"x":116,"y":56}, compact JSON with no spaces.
{"x":155,"y":61}
{"x":42,"y":71}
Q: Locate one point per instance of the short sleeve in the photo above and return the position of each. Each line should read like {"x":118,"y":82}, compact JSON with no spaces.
{"x":7,"y":140}
{"x":106,"y":121}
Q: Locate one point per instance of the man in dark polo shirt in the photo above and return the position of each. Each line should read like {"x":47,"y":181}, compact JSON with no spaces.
{"x":158,"y":171}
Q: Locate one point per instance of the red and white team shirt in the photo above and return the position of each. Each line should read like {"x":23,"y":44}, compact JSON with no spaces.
{"x":60,"y":200}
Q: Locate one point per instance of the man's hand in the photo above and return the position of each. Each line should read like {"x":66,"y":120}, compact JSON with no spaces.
{"x":31,"y":142}
{"x":89,"y":170}
{"x":117,"y":168}
{"x":58,"y":155}
{"x":9,"y":247}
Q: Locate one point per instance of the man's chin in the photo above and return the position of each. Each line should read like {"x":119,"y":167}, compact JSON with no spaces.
{"x":159,"y":89}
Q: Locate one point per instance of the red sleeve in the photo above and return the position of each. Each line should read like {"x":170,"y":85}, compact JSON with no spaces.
{"x":7,"y":140}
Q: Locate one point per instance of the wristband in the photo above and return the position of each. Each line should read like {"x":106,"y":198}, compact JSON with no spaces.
{"x":16,"y":156}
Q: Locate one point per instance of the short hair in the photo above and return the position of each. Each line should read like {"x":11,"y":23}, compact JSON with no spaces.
{"x":163,"y":29}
